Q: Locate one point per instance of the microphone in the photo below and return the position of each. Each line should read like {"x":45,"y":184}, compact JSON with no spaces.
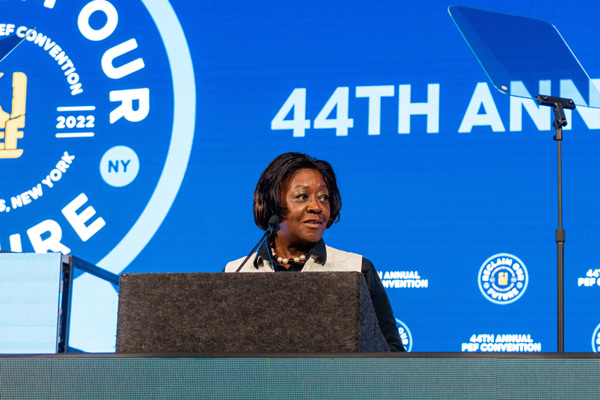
{"x":273,"y":227}
{"x":271,"y":230}
{"x":273,"y":224}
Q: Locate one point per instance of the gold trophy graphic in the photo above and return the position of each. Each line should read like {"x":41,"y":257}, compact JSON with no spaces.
{"x":11,"y":123}
{"x":503,"y":278}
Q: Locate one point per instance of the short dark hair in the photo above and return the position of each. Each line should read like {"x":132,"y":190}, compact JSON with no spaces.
{"x":267,"y":194}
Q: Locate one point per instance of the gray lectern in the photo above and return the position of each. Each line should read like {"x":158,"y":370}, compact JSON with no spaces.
{"x":312,"y":312}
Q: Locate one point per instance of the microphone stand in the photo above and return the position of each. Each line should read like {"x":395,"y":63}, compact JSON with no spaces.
{"x":559,"y":104}
{"x":273,"y":226}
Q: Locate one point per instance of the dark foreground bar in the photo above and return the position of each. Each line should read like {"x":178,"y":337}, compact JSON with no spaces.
{"x":313,"y":376}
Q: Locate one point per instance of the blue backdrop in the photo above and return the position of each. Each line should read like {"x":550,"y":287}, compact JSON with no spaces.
{"x":146,"y":125}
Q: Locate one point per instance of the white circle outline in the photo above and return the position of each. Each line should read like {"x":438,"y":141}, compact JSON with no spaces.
{"x":180,"y":147}
{"x":596,"y":331}
{"x":502,"y":303}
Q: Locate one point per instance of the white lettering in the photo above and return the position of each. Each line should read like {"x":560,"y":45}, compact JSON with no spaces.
{"x":26,"y":199}
{"x":126,"y":109}
{"x":78,"y":221}
{"x":481,"y":97}
{"x":119,"y":72}
{"x":112,"y":19}
{"x":51,"y":243}
{"x":590,"y":116}
{"x":430,"y":108}
{"x":47,"y":181}
{"x":539,"y":114}
{"x":15,"y":243}
{"x":374,"y":94}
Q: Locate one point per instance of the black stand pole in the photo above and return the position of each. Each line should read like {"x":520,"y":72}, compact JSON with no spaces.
{"x":271,"y":230}
{"x":559,"y":104}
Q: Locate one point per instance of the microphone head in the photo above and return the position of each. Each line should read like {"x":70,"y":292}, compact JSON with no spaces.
{"x":274,"y":222}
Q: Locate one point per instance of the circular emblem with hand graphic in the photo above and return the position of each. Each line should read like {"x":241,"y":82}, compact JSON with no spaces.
{"x":97,"y":112}
{"x":502,"y":278}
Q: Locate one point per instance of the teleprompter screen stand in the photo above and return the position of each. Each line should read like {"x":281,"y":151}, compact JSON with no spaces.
{"x":520,"y":56}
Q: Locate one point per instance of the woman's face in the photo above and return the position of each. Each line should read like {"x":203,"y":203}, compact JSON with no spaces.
{"x":307,"y":209}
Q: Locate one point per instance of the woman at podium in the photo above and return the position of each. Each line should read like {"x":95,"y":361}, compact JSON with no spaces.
{"x":299,"y":194}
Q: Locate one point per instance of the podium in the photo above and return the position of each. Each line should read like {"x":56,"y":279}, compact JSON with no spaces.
{"x":309,"y":312}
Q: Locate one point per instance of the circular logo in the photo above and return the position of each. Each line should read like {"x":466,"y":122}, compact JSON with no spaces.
{"x":503,"y":278}
{"x":405,"y":335}
{"x":119,"y":166}
{"x":97,"y":117}
{"x":97,"y":113}
{"x":596,"y":340}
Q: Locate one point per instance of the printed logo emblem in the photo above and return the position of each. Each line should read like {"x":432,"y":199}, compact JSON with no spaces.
{"x":596,"y":340}
{"x":107,"y":90}
{"x":79,"y":179}
{"x":10,"y":123}
{"x":503,"y":278}
{"x":405,"y":335}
